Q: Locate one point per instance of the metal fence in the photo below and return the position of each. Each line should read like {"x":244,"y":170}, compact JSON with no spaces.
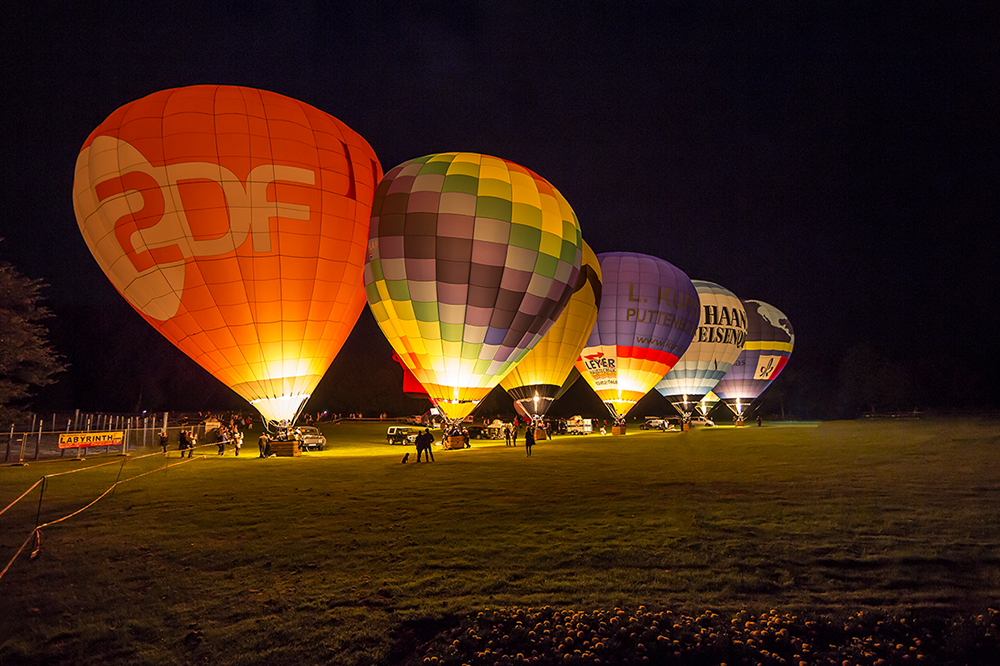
{"x":40,"y":440}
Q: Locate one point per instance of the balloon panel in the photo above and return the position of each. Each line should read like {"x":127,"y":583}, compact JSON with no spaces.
{"x":574,"y":375}
{"x":707,"y":403}
{"x":537,"y":378}
{"x":411,"y":386}
{"x":722,"y":328}
{"x":234,"y":221}
{"x":769,"y":343}
{"x":471,"y":259}
{"x":648,"y":315}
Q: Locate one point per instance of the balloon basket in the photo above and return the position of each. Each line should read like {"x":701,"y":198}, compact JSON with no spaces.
{"x":540,"y":435}
{"x":685,"y":427}
{"x":286,"y":448}
{"x":738,"y":422}
{"x":617,"y":430}
{"x":453,"y":442}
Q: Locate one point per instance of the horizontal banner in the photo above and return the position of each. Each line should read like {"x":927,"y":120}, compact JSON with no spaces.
{"x":72,"y":440}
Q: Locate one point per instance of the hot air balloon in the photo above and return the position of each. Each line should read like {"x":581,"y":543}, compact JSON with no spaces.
{"x":234,"y":221}
{"x":537,"y":379}
{"x":722,"y":329}
{"x":648,"y":315}
{"x":768,"y":346}
{"x":471,"y":259}
{"x":707,"y":403}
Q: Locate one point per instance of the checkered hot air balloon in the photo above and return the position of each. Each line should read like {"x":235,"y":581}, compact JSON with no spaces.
{"x":471,"y":259}
{"x":234,"y":221}
{"x":648,"y":315}
{"x":722,"y":329}
{"x":769,"y":343}
{"x":537,"y":379}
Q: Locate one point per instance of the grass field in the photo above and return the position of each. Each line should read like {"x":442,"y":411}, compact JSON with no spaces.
{"x":347,"y":556}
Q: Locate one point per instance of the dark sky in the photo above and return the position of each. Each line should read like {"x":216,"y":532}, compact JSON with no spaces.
{"x":835,"y":159}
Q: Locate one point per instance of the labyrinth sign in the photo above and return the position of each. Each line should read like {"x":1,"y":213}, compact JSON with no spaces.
{"x":72,"y":440}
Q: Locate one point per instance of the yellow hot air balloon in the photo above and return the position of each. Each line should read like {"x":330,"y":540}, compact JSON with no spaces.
{"x":234,"y":221}
{"x":535,"y":381}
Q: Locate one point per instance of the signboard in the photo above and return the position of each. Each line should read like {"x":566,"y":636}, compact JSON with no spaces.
{"x":72,"y":440}
{"x":766,"y":366}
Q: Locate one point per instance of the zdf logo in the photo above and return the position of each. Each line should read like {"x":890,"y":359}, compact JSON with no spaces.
{"x":140,"y":209}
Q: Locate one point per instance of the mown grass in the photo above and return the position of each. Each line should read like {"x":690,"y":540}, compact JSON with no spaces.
{"x":347,"y":556}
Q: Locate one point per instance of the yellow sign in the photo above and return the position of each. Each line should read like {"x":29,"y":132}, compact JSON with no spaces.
{"x":71,"y":440}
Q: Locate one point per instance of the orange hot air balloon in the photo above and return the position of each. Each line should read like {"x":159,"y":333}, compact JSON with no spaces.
{"x":235,"y":222}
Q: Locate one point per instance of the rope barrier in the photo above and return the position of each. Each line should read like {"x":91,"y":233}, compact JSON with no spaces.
{"x":22,"y":495}
{"x":81,"y":469}
{"x":36,"y":533}
{"x":9,"y":564}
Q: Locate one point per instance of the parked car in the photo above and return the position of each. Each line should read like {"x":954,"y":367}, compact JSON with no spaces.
{"x":401,"y":435}
{"x":654,"y":423}
{"x":485,"y":431}
{"x":312,"y":439}
{"x":699,"y":420}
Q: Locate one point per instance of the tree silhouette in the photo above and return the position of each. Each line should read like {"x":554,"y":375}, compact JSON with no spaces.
{"x":27,"y":361}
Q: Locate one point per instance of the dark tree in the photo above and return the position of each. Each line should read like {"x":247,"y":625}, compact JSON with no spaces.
{"x":27,"y":361}
{"x":870,"y":382}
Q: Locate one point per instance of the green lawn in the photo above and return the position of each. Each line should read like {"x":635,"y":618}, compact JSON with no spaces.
{"x":347,"y":556}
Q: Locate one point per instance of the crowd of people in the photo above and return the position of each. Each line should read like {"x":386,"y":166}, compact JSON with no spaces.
{"x":230,"y":433}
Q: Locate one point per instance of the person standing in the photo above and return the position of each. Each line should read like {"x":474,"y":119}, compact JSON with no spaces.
{"x":420,"y":445}
{"x":760,"y":421}
{"x":513,"y":435}
{"x":262,"y":444}
{"x":506,"y":434}
{"x":428,"y":444}
{"x":183,"y":443}
{"x":529,"y":439}
{"x":163,"y":441}
{"x":424,"y":441}
{"x":238,"y":442}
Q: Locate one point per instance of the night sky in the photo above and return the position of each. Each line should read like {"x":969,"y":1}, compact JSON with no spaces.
{"x":837,"y":160}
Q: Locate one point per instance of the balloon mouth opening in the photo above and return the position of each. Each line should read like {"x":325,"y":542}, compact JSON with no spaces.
{"x":619,"y":408}
{"x":283,"y":409}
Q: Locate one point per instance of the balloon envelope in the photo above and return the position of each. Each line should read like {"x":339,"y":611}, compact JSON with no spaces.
{"x":537,"y":379}
{"x":411,"y":386}
{"x":707,"y":403}
{"x":234,"y":221}
{"x":471,"y":259}
{"x":769,"y":343}
{"x":722,"y":329}
{"x":648,"y":315}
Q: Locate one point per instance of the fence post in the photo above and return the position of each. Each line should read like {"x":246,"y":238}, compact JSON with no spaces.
{"x":38,"y":442}
{"x":41,"y":494}
{"x":114,"y":487}
{"x":20,"y":459}
{"x":9,"y":440}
